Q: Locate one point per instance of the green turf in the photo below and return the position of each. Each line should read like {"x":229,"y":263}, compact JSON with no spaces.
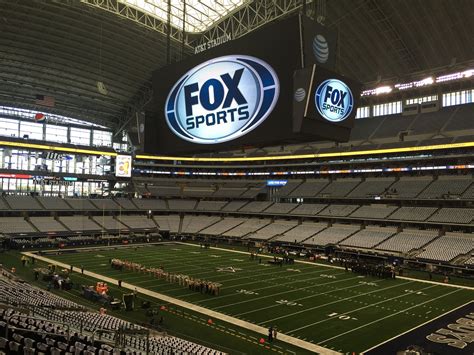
{"x":177,"y":321}
{"x":328,"y":306}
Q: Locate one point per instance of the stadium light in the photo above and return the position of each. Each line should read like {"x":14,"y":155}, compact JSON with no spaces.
{"x":455,"y":76}
{"x":416,"y":84}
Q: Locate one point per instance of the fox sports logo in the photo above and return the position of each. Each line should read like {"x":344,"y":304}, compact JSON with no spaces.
{"x":222,"y":99}
{"x":334,"y":100}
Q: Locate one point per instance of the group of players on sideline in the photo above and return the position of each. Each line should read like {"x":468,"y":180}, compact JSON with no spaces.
{"x":202,"y":286}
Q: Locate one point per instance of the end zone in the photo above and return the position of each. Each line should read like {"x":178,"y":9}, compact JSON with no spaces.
{"x":450,"y":333}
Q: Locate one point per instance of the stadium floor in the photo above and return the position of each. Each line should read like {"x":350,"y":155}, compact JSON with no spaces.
{"x":326,"y":306}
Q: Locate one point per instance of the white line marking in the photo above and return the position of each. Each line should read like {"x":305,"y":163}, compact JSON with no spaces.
{"x":418,"y":326}
{"x":389,"y":316}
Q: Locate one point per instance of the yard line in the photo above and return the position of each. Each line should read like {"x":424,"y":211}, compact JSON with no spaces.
{"x":339,"y":267}
{"x":390,"y":315}
{"x":306,"y":280}
{"x":208,"y":312}
{"x":418,"y":326}
{"x":295,"y":290}
{"x":327,"y":304}
{"x":360,"y":308}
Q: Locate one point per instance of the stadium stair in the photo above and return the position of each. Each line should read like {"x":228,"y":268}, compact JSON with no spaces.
{"x":61,"y":223}
{"x":27,"y":219}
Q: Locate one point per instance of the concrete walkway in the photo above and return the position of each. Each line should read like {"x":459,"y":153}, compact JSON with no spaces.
{"x":210,"y":313}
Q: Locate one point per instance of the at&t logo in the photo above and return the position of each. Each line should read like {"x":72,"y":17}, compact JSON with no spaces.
{"x":334,"y":100}
{"x":222,"y":99}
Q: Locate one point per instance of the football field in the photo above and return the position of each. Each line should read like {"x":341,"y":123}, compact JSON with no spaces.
{"x":328,"y":306}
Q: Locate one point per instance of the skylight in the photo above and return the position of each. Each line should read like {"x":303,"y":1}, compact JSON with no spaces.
{"x":200,"y":14}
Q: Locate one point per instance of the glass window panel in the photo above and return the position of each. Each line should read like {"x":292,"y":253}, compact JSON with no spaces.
{"x":102,"y":138}
{"x":31,"y":129}
{"x":80,"y":136}
{"x":56,"y":133}
{"x":9,"y":127}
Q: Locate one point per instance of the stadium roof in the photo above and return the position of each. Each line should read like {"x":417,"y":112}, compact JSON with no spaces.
{"x":66,"y":49}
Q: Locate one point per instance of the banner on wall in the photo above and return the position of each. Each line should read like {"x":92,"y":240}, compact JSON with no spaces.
{"x":123,"y":166}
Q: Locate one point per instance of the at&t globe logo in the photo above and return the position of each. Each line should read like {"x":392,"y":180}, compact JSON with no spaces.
{"x":222,"y":99}
{"x":334,"y":100}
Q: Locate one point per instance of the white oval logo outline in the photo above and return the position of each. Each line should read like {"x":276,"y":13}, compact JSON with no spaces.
{"x":257,"y":67}
{"x":317,"y":100}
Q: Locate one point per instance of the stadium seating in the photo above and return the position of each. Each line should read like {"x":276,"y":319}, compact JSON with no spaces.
{"x":412,"y":213}
{"x":168,"y":222}
{"x":104,"y":204}
{"x":338,"y":210}
{"x":271,"y":230}
{"x":80,"y":204}
{"x":446,"y":187}
{"x":229,"y":192}
{"x":164,"y":191}
{"x":373,"y":211}
{"x":309,"y":188}
{"x":22,"y":203}
{"x":408,"y":240}
{"x":280,"y":208}
{"x":469,"y":193}
{"x":409,"y":187}
{"x":149,"y":204}
{"x":3,"y":205}
{"x":15,"y":225}
{"x":284,"y":191}
{"x":181,"y":205}
{"x":194,"y":224}
{"x":249,"y":226}
{"x":47,"y":224}
{"x":233,"y":206}
{"x":222,"y":226}
{"x":48,"y":333}
{"x":53,"y":203}
{"x":368,"y":237}
{"x":301,"y":232}
{"x":308,"y":209}
{"x":125,"y":204}
{"x":448,"y":247}
{"x":453,"y":215}
{"x":138,"y":222}
{"x":79,"y":223}
{"x":332,"y":235}
{"x":255,"y":206}
{"x":109,"y":223}
{"x":372,"y":187}
{"x":339,"y":187}
{"x":210,"y":205}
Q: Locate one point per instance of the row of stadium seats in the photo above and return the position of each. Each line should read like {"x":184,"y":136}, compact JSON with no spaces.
{"x":81,"y":223}
{"x":76,"y":223}
{"x":405,"y":187}
{"x":78,"y":319}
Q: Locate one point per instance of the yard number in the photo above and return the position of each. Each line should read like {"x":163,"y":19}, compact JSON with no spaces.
{"x":340,"y":316}
{"x":289,"y":303}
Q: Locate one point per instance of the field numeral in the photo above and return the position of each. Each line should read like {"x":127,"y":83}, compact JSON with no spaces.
{"x":289,"y":303}
{"x":341,"y":316}
{"x":327,"y":276}
{"x":415,"y":292}
{"x":368,"y":283}
{"x":247,"y":292}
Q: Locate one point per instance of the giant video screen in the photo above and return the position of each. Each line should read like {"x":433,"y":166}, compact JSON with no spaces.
{"x":239,"y":94}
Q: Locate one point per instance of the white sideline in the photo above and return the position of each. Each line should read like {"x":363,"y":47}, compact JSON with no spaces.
{"x":418,"y":326}
{"x":216,"y":315}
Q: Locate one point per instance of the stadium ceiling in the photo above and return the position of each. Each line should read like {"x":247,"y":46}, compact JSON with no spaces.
{"x":66,"y":49}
